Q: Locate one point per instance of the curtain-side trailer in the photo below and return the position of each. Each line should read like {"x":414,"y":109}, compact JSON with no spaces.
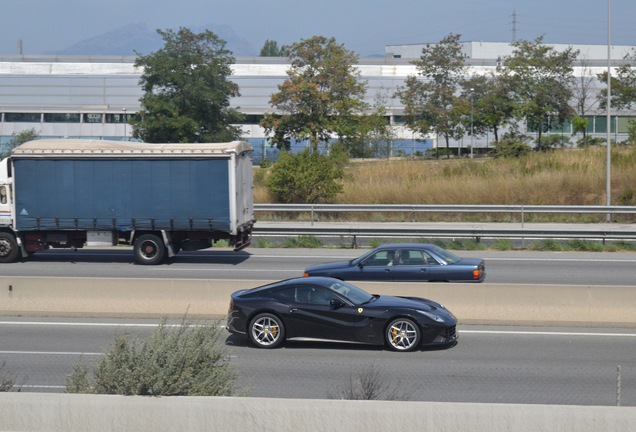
{"x":159,"y":198}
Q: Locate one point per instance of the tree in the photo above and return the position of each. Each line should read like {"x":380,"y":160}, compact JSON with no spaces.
{"x":322,"y":95}
{"x":306,"y":177}
{"x":583,"y":92}
{"x":431,"y":104}
{"x":271,"y":49}
{"x":540,"y":79}
{"x":175,"y":361}
{"x":187,"y":91}
{"x":492,"y":106}
{"x":20,"y":138}
{"x":623,"y":91}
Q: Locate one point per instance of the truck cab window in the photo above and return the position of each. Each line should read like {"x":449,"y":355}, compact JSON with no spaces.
{"x":3,"y":194}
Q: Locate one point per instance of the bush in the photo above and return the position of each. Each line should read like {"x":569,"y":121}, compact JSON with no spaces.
{"x":547,"y":245}
{"x":175,"y":361}
{"x":370,"y":384}
{"x":303,"y":242}
{"x":511,"y":146}
{"x":584,"y":245}
{"x":553,"y":141}
{"x":589,"y":141}
{"x":503,"y":245}
{"x":7,"y":381}
{"x":306,"y":178}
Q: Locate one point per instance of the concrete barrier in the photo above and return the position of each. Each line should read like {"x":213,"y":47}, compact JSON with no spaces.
{"x":72,"y":412}
{"x":486,"y":303}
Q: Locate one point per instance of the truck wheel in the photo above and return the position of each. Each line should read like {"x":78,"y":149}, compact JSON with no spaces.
{"x":8,"y":248}
{"x":149,"y":250}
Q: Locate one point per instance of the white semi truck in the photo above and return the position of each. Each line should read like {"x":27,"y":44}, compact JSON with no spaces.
{"x":158,"y":198}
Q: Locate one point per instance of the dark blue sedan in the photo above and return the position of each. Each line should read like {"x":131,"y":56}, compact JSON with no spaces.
{"x":406,"y":263}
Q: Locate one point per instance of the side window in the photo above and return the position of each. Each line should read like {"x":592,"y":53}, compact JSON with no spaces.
{"x":412,"y":257}
{"x":321,"y":296}
{"x":381,"y":258}
{"x":286,"y":295}
{"x":3,"y":194}
{"x":429,"y":260}
{"x":314,"y":295}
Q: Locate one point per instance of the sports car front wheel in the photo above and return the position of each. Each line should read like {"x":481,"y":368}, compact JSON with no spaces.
{"x":402,"y":334}
{"x":266,"y":331}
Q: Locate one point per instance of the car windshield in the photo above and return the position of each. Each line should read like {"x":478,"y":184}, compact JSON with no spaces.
{"x":447,"y":256}
{"x":351,"y":292}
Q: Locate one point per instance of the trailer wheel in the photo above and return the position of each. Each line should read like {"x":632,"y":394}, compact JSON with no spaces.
{"x":8,"y":248}
{"x":149,"y":250}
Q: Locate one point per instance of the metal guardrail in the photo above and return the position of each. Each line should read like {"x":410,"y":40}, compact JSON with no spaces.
{"x":435,"y":208}
{"x":476,"y":231}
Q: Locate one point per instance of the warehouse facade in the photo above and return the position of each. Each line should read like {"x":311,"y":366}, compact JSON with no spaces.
{"x":94,"y":96}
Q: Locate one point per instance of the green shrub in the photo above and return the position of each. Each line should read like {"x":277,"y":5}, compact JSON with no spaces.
{"x":503,"y":245}
{"x":620,"y":245}
{"x":553,"y":141}
{"x":263,"y":243}
{"x":584,"y":245}
{"x":511,"y":146}
{"x":306,"y":177}
{"x":183,"y":360}
{"x":547,"y":245}
{"x":589,"y":141}
{"x":303,"y":242}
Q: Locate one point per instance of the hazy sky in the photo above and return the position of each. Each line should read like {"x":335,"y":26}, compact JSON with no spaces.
{"x":364,"y":26}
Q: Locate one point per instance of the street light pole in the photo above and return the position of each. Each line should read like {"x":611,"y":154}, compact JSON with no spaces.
{"x":608,"y":188}
{"x":472,"y":130}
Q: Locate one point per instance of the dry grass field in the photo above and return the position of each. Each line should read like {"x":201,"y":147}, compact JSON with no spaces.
{"x":560,"y":177}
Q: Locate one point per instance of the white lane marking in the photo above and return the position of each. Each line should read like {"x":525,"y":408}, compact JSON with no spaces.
{"x":35,"y":386}
{"x":79,"y":324}
{"x":52,"y":353}
{"x":544,"y":333}
{"x":495,"y":332}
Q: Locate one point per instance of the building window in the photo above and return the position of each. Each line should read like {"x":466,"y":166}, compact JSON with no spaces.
{"x":92,"y":118}
{"x":250,"y":119}
{"x":118,"y":118}
{"x":22,"y":117}
{"x":61,"y":118}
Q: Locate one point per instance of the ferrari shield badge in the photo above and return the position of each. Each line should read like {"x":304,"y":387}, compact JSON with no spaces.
{"x":360,"y":310}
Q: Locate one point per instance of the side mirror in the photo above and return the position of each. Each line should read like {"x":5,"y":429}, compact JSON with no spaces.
{"x":335,"y":303}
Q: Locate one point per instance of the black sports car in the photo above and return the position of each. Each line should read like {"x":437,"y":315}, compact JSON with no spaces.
{"x":405,"y":263}
{"x":331,"y":309}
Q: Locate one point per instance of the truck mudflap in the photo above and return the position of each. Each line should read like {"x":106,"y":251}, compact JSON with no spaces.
{"x":242,"y":240}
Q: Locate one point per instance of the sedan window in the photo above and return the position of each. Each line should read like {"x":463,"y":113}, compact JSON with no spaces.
{"x":412,"y":257}
{"x":352,"y":293}
{"x":447,"y":256}
{"x":380,"y":258}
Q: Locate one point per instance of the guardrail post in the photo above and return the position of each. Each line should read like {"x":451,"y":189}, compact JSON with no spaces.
{"x":618,"y":385}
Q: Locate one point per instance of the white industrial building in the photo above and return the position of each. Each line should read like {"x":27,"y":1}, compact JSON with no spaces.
{"x":91,"y":97}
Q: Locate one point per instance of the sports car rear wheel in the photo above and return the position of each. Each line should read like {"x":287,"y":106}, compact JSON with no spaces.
{"x":266,"y":331}
{"x":402,"y":334}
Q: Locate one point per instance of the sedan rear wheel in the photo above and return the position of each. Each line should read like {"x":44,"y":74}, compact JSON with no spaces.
{"x":402,"y":334}
{"x":266,"y":331}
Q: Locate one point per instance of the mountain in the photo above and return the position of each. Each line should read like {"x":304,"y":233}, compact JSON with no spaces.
{"x":131,"y":38}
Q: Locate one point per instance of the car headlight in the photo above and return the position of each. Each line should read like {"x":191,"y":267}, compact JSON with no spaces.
{"x":432,"y":316}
